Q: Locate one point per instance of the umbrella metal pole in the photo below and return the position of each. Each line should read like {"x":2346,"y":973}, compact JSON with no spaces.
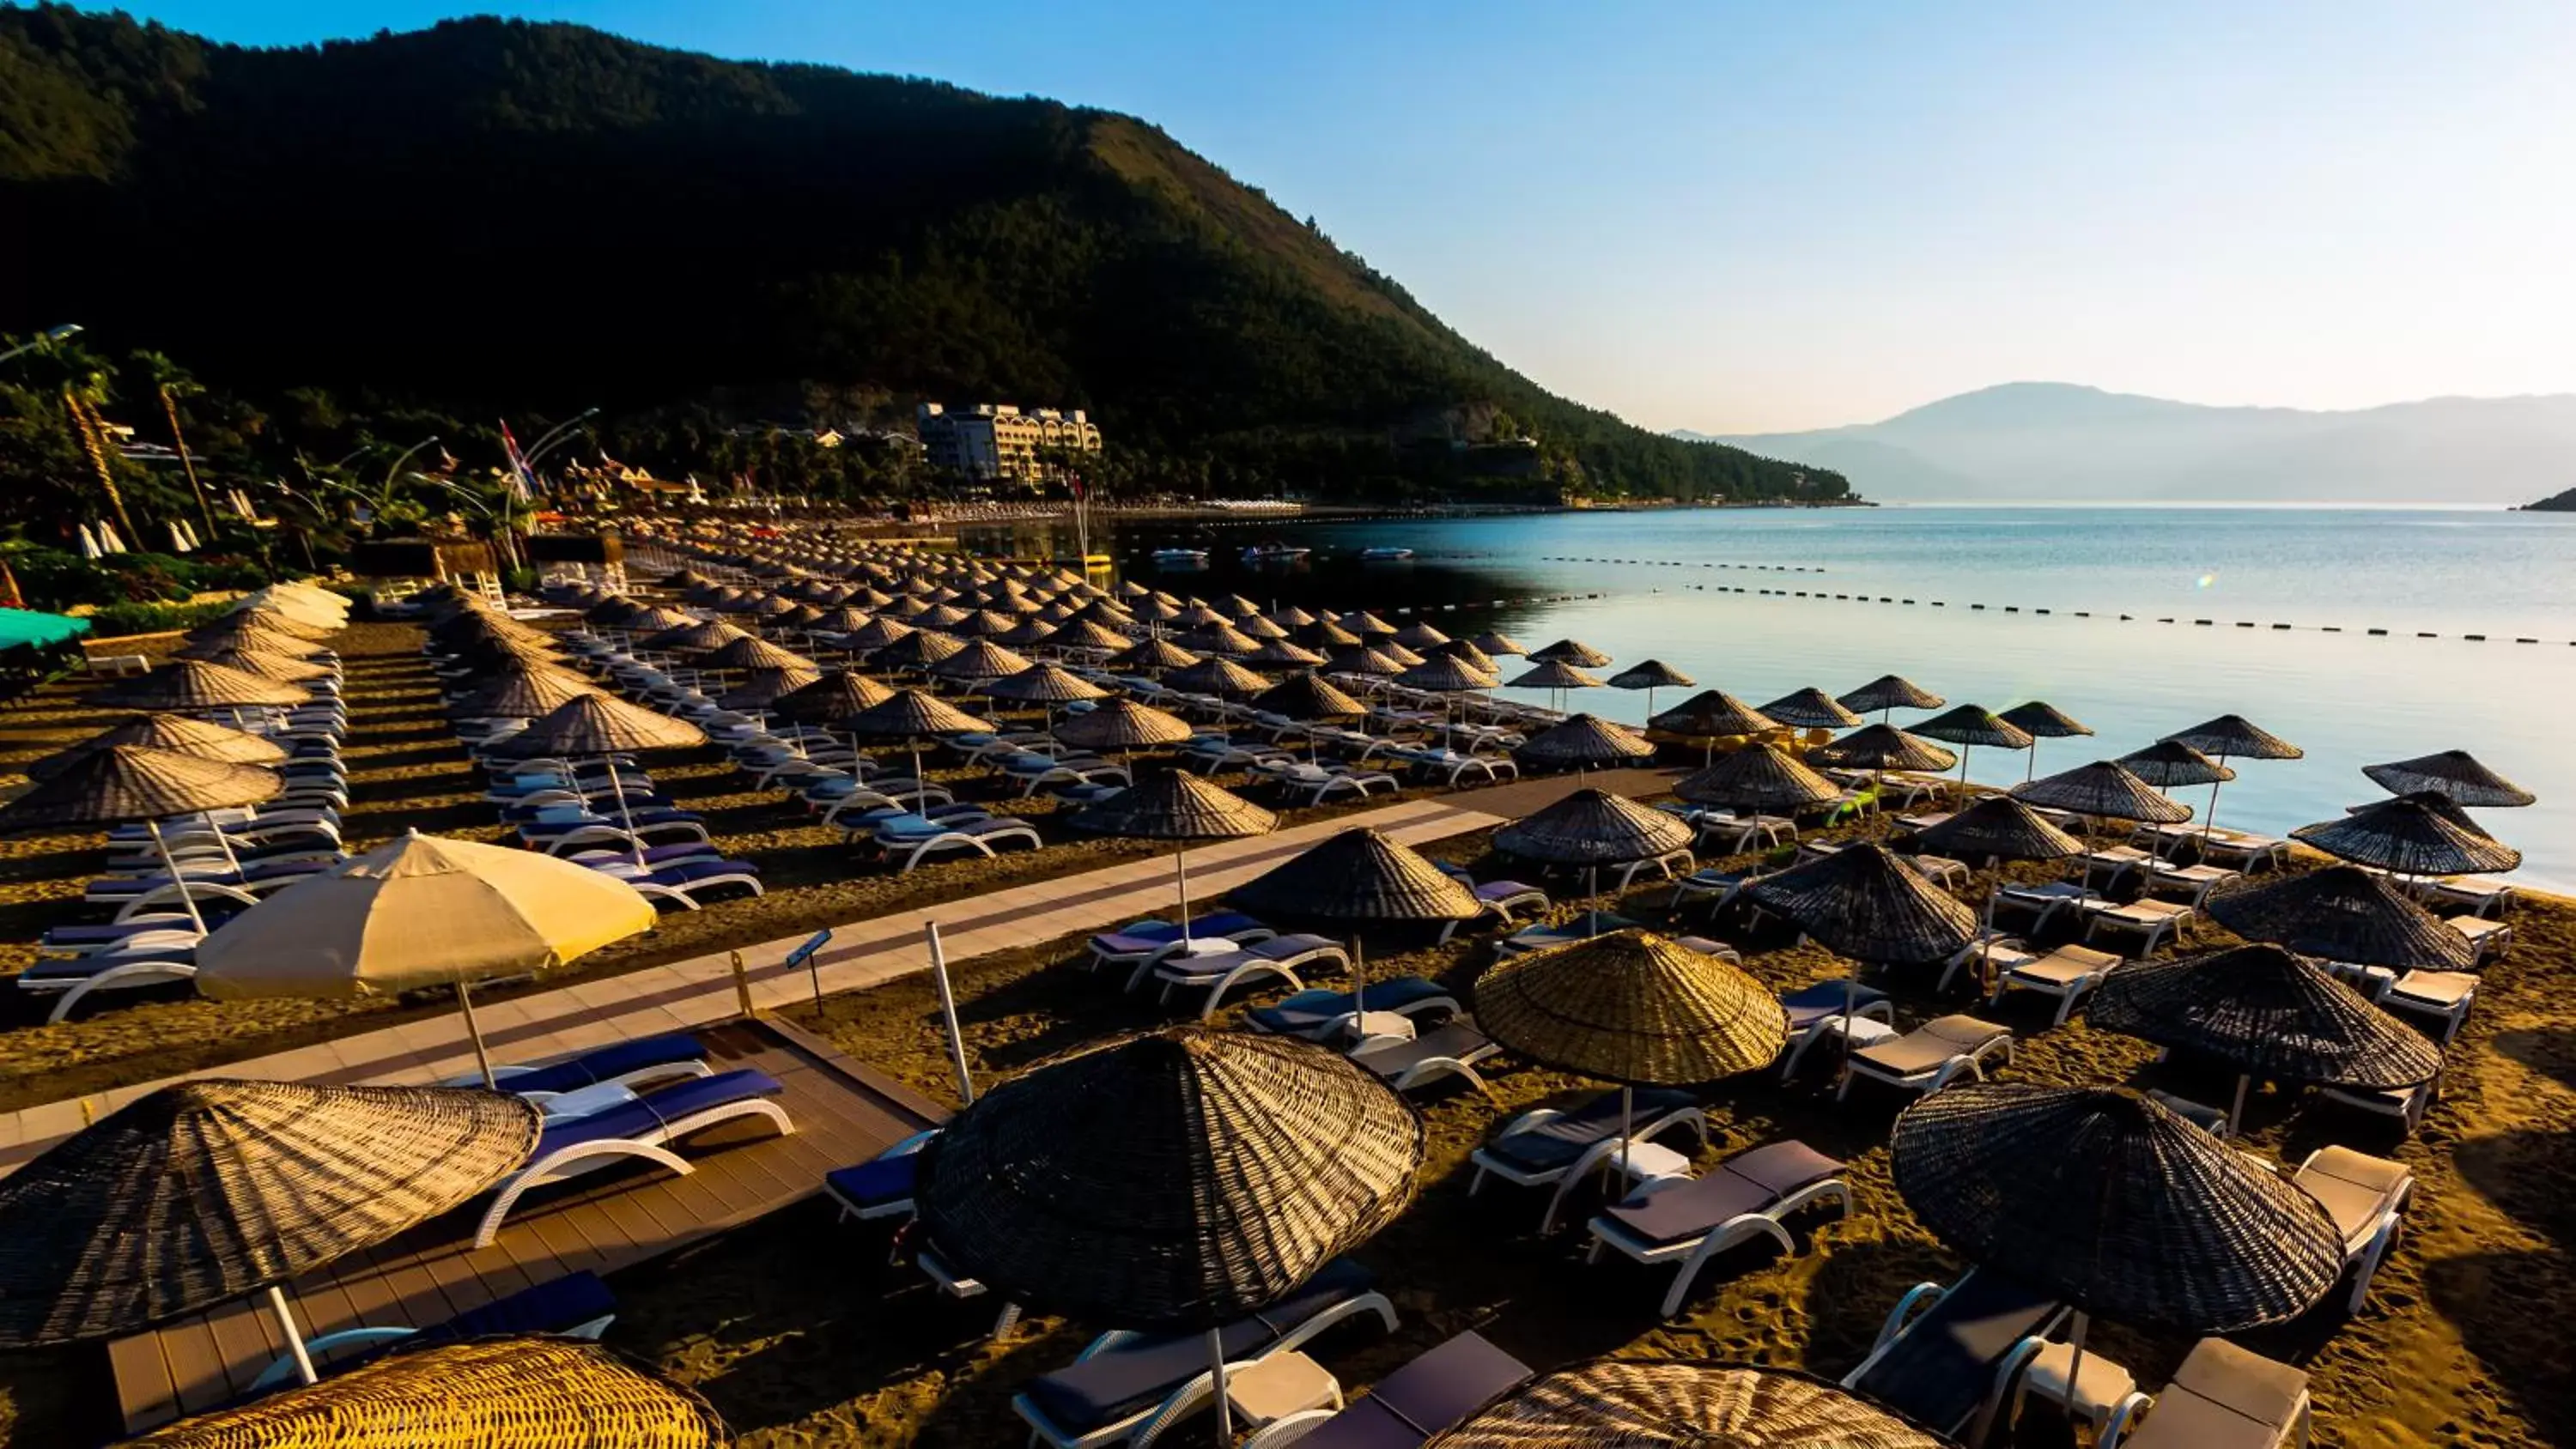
{"x":947,"y":1013}
{"x":1224,"y":1410}
{"x":178,"y":881}
{"x":1181,"y":876}
{"x":1627,"y":1128}
{"x":2075,"y":1365}
{"x":1359,"y":987}
{"x":2236,"y":1112}
{"x":294,"y":1338}
{"x":474,"y":1030}
{"x":2209,"y":822}
{"x":625,"y":812}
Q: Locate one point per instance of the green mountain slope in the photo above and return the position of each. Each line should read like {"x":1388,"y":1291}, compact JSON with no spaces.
{"x":544,"y":216}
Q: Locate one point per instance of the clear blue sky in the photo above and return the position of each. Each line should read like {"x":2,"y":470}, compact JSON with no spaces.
{"x":1740,"y":217}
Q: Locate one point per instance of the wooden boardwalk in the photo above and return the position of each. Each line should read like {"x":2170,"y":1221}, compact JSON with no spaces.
{"x":844,"y":1113}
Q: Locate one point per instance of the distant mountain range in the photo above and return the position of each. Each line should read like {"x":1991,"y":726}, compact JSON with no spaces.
{"x":2065,"y":443}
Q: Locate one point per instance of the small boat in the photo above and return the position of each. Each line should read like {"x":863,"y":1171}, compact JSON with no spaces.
{"x":1385,"y":554}
{"x":1180,"y":558}
{"x":1264,"y":553}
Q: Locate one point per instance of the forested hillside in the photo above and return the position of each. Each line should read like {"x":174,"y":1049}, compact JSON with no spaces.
{"x":498,"y":214}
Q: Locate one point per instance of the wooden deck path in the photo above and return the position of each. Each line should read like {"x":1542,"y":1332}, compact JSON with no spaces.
{"x":844,"y":1113}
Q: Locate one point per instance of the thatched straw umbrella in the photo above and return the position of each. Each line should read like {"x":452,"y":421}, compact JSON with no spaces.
{"x":1811,"y":709}
{"x":753,"y":652}
{"x":1969,"y":726}
{"x":1888,"y":693}
{"x":762,"y":688}
{"x":1153,"y":656}
{"x":1440,"y":674}
{"x":1085,"y":634}
{"x":831,"y":699}
{"x":919,"y":649}
{"x":1420,"y":634}
{"x":654,"y":621}
{"x":1367,"y":625}
{"x":264,"y":662}
{"x":1027,"y":633}
{"x":2413,"y":835}
{"x":1633,"y":1404}
{"x":529,"y":1391}
{"x":912,"y":716}
{"x":2267,"y":1012}
{"x":2456,"y":775}
{"x":1760,"y":778}
{"x":1175,"y":1181}
{"x":165,"y":732}
{"x":1712,"y":715}
{"x":193,"y":686}
{"x":604,"y":727}
{"x":135,"y":782}
{"x":1574,"y":652}
{"x":1223,"y":638}
{"x":524,"y":692}
{"x":1280,"y":651}
{"x":1218,"y":676}
{"x":1325,"y":634}
{"x":421,"y":911}
{"x":2342,"y":913}
{"x":1180,"y":808}
{"x":1123,"y":724}
{"x":1864,"y":903}
{"x":876,"y":634}
{"x":1369,"y":664}
{"x":209,"y":1191}
{"x":1496,"y":642}
{"x":2102,"y":790}
{"x":1466,"y":651}
{"x":1882,"y":747}
{"x":1633,"y":1008}
{"x":1998,"y":828}
{"x":2116,"y":1205}
{"x":1311,"y":698}
{"x":979,"y":660}
{"x":695,"y":637}
{"x":2232,"y":736}
{"x":1553,"y":675}
{"x":2171,"y":765}
{"x":1583,"y":741}
{"x":1650,"y":676}
{"x":1359,"y":877}
{"x":1045,"y":685}
{"x":1591,"y":829}
{"x":2042,"y":721}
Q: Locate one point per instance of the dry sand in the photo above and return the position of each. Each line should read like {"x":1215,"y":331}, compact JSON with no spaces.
{"x":802,"y":1333}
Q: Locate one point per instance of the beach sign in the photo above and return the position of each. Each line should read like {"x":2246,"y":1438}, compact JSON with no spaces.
{"x":805,"y":953}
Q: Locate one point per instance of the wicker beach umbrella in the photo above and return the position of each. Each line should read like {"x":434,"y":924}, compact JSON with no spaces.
{"x":919,"y":649}
{"x":253,"y":631}
{"x":1085,"y":634}
{"x":2342,"y":913}
{"x":1280,"y":651}
{"x":2116,"y":1205}
{"x":1027,"y":634}
{"x":1574,"y":652}
{"x":2171,"y":765}
{"x":1152,"y":656}
{"x":877,"y":633}
{"x":831,"y":699}
{"x":1309,"y":697}
{"x":1633,"y":1404}
{"x":753,"y":652}
{"x":136,"y":782}
{"x":1044,"y":684}
{"x":1583,"y":741}
{"x":2232,"y":736}
{"x":1441,"y":674}
{"x":2267,"y":1012}
{"x":697,"y":637}
{"x":654,"y":621}
{"x":1261,"y":627}
{"x":2413,"y":835}
{"x":1324,"y":634}
{"x":985,"y":623}
{"x":209,"y":1191}
{"x":1369,"y":664}
{"x":943,"y":617}
{"x":165,"y":732}
{"x":1713,"y":714}
{"x":529,"y":1392}
{"x":762,"y":688}
{"x":1218,"y":676}
{"x":263,"y":621}
{"x":844,"y":620}
{"x":1969,"y":726}
{"x":1359,"y":876}
{"x":2042,"y":720}
{"x":194,"y":686}
{"x":1811,"y":709}
{"x":1173,"y":1181}
{"x":912,"y":716}
{"x":1881,"y":747}
{"x":2000,"y":827}
{"x":1865,"y":903}
{"x":603,"y":727}
{"x":1222,"y":638}
{"x":1181,"y":808}
{"x":1367,"y":625}
{"x":420,"y":911}
{"x":2456,"y":775}
{"x":1761,"y":778}
{"x":1290,"y":617}
{"x":981,"y":659}
{"x":1554,"y":674}
{"x":1124,"y":724}
{"x":612,"y":611}
{"x":2102,"y":791}
{"x":1495,"y":642}
{"x":523,"y":692}
{"x":1650,"y":676}
{"x":1887,"y":693}
{"x":1420,"y":634}
{"x":1591,"y":829}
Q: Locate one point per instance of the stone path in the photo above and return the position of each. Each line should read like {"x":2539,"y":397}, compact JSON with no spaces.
{"x":702,"y":990}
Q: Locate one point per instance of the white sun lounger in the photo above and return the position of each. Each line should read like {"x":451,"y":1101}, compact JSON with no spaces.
{"x":1931,"y":1056}
{"x":1689,"y":1220}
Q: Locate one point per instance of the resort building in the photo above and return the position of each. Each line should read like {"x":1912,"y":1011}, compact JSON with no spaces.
{"x":997,"y":440}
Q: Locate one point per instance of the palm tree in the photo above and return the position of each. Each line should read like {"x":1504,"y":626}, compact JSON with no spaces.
{"x":171,"y":382}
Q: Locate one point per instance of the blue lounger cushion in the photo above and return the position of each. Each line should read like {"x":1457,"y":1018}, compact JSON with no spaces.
{"x":1436,"y":1392}
{"x":1307,"y":1010}
{"x":667,"y":1050}
{"x":1811,"y":1004}
{"x":1143,"y":1372}
{"x":1556,"y":1142}
{"x":1942,"y":1366}
{"x":654,"y":1109}
{"x":875,"y":1182}
{"x":550,"y":1307}
{"x":1150,"y":935}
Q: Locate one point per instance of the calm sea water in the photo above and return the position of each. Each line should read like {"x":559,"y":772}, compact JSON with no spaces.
{"x":2349,"y":698}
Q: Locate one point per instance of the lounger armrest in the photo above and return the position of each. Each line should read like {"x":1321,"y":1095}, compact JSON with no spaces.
{"x":1921,"y":1295}
{"x":282,"y":1368}
{"x":1105,"y":1342}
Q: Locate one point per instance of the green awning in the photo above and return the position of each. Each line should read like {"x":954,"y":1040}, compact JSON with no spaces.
{"x":37,"y":631}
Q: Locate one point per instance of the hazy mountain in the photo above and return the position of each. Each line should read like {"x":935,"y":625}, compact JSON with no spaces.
{"x":2059,"y":441}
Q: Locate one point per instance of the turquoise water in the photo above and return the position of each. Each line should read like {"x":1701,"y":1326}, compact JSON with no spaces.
{"x":2349,"y":698}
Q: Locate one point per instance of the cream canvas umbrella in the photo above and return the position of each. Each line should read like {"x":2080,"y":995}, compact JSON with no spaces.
{"x":420,"y":911}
